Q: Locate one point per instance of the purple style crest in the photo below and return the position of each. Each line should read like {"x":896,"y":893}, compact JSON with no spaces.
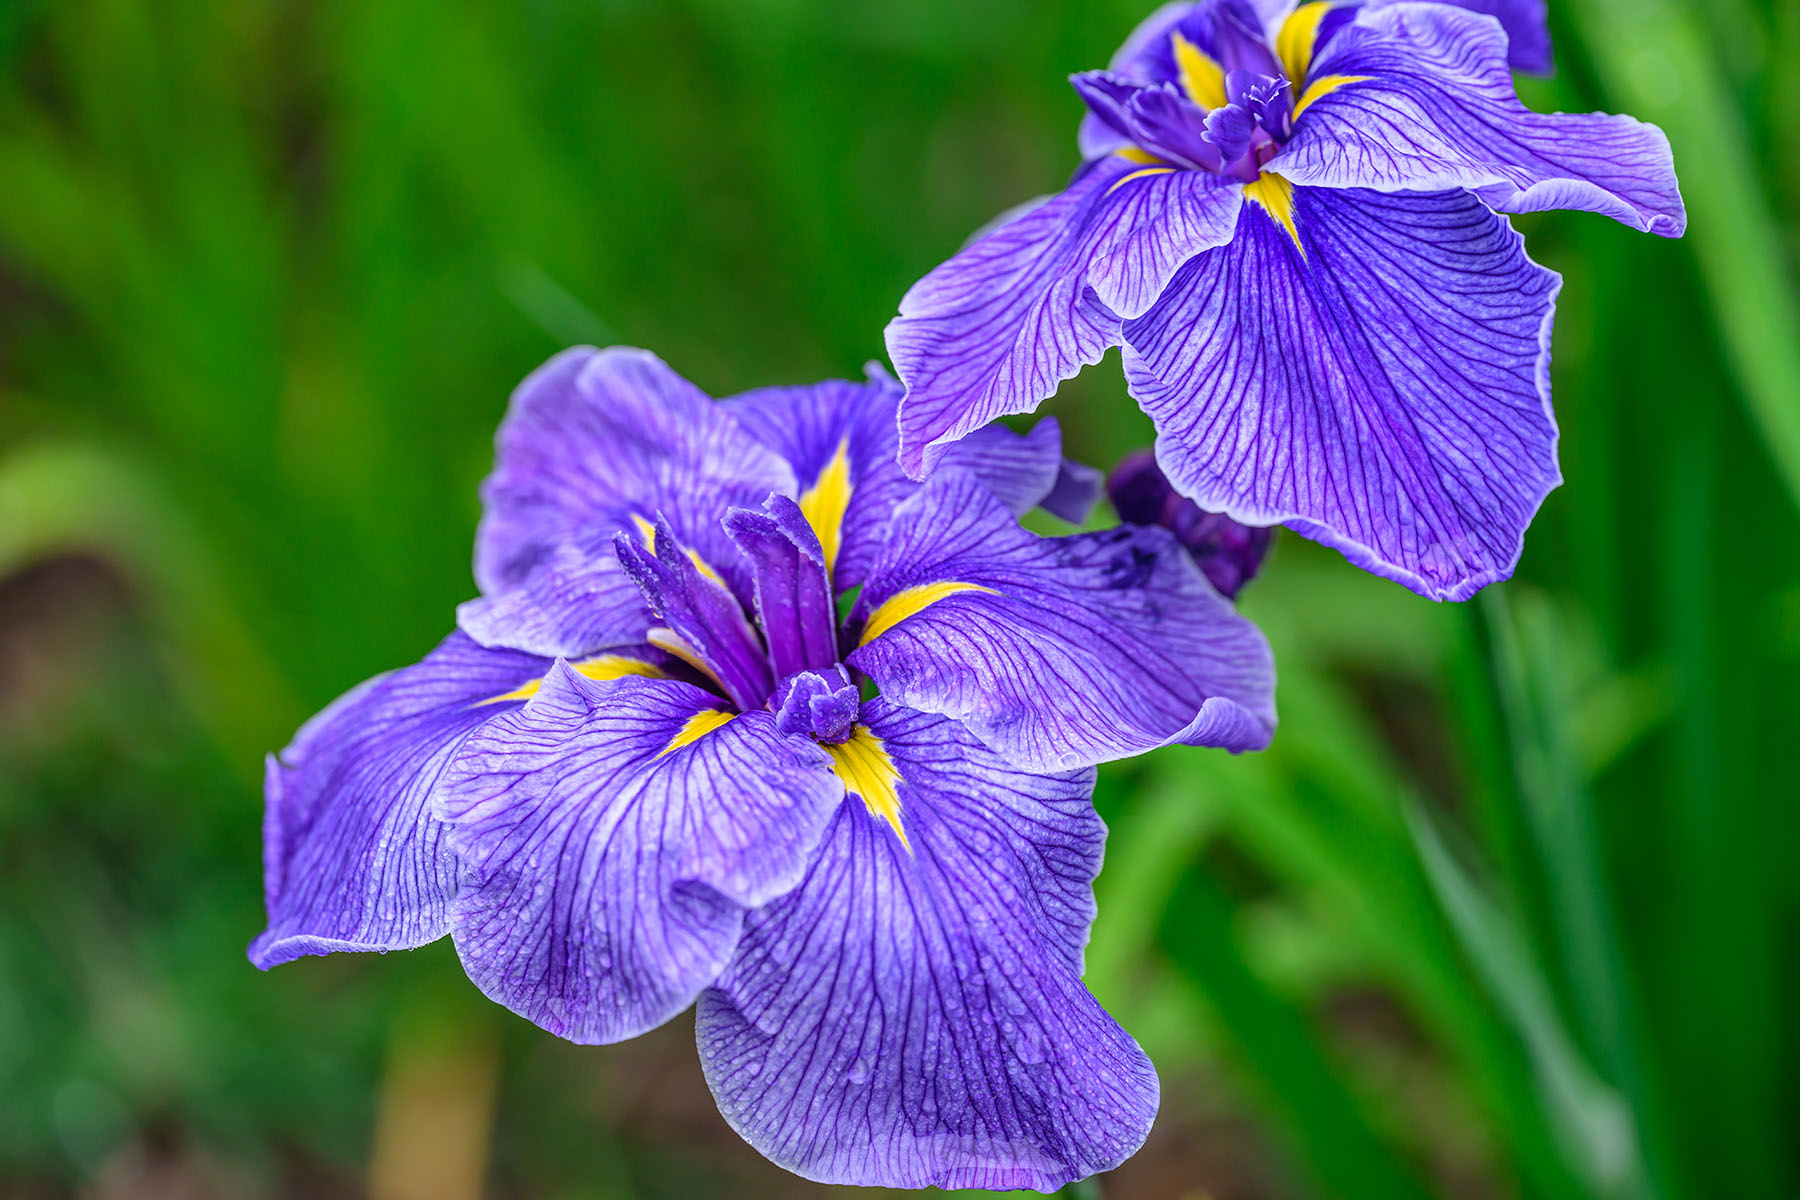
{"x":1289,"y":219}
{"x":646,"y":761}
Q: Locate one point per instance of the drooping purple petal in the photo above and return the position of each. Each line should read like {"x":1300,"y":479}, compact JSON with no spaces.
{"x":1387,"y":395}
{"x":1058,"y":652}
{"x":352,"y":857}
{"x":998,"y":326}
{"x":917,"y":1019}
{"x":1228,"y":552}
{"x":807,"y":425}
{"x":1438,"y":109}
{"x":701,"y":611}
{"x":794,"y":605}
{"x":607,"y":862}
{"x":595,"y":438}
{"x":1527,"y":27}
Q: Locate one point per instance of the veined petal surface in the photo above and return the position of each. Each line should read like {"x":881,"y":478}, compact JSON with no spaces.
{"x":1434,"y":106}
{"x":1525,"y":22}
{"x":913,"y":1019}
{"x":608,"y":853}
{"x":997,"y":327}
{"x":1061,"y":652}
{"x":352,"y":857}
{"x":595,"y":438}
{"x":574,"y":602}
{"x":1386,"y":394}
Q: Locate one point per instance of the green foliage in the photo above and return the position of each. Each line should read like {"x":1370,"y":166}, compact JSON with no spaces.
{"x":1509,"y":908}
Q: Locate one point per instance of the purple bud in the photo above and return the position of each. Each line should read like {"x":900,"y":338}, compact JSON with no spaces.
{"x":1228,"y":552}
{"x":818,"y":704}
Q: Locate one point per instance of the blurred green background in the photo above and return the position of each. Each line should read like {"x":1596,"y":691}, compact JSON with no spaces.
{"x":1508,"y":911}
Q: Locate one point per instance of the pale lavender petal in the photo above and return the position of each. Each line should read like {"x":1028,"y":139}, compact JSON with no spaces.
{"x":1527,"y":27}
{"x":1078,"y":650}
{"x":1388,"y":395}
{"x":913,"y":1019}
{"x":352,"y":857}
{"x":597,"y":437}
{"x":575,"y":602}
{"x":606,"y":869}
{"x":996,"y":328}
{"x":1438,"y":110}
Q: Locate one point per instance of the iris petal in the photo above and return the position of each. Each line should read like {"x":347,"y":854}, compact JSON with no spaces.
{"x":353,"y":858}
{"x":611,"y":835}
{"x":912,"y":1020}
{"x":1435,"y":107}
{"x":1387,"y":395}
{"x":1061,"y":652}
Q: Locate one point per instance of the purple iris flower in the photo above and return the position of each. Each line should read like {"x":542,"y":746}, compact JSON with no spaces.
{"x":1289,"y":221}
{"x":648,"y":771}
{"x":1229,"y":553}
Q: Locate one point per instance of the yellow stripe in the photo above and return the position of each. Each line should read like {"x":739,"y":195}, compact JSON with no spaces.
{"x":697,"y":727}
{"x":606,"y":666}
{"x":1294,"y":43}
{"x":1323,"y":86}
{"x":647,"y":531}
{"x":1139,"y":174}
{"x":1276,"y":196}
{"x":911,"y":602}
{"x":862,"y":762}
{"x":1138,"y":154}
{"x":825,"y":502}
{"x":1201,"y":77}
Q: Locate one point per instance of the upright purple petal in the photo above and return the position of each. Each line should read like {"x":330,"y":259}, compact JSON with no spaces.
{"x":1058,"y":652}
{"x":917,"y":1019}
{"x":611,"y":836}
{"x":701,"y":612}
{"x":1527,"y":27}
{"x":997,"y":327}
{"x":1387,"y":394}
{"x":1433,"y":106}
{"x":794,"y":604}
{"x":595,"y":438}
{"x":352,"y":857}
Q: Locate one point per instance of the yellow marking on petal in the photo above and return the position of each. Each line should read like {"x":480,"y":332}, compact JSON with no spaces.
{"x":695,"y":728}
{"x":1323,"y":86}
{"x":910,"y":603}
{"x":606,"y":666}
{"x":1201,"y":77}
{"x":862,"y":762}
{"x":674,"y":643}
{"x":1139,"y":174}
{"x":647,"y":531}
{"x":1276,"y":196}
{"x":1138,"y":154}
{"x":1295,"y":40}
{"x":825,"y":502}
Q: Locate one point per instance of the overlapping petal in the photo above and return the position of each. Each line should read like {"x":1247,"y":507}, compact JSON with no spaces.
{"x":1525,"y":22}
{"x":607,"y":862}
{"x":808,"y":426}
{"x":917,"y":1019}
{"x":1058,"y":652}
{"x":595,"y":438}
{"x":574,"y":602}
{"x":1387,"y":394}
{"x":997,"y":327}
{"x":352,"y":857}
{"x":1433,"y":106}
